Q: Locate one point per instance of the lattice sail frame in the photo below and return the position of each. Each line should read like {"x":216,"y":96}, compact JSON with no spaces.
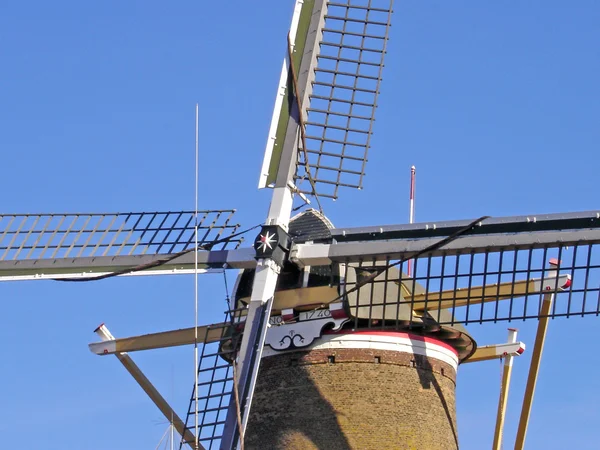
{"x":38,"y":236}
{"x":70,"y":244}
{"x":214,"y":396}
{"x":327,"y":95}
{"x":344,"y":96}
{"x":479,"y":286}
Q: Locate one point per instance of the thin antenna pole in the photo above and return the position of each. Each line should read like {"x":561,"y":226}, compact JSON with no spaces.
{"x":172,"y":438}
{"x":196,"y":291}
{"x":172,"y":398}
{"x":411,"y":213}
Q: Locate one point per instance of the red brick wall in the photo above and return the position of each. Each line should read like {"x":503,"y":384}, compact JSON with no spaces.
{"x":353,"y":399}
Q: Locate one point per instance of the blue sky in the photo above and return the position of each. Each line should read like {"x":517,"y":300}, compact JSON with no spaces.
{"x":496,"y":103}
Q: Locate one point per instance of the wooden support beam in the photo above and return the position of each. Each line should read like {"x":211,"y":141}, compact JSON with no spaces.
{"x":207,"y":334}
{"x":503,"y":400}
{"x":489,"y":293}
{"x":184,"y":336}
{"x":150,"y":390}
{"x":489,"y":352}
{"x":301,"y":299}
{"x":536,"y":358}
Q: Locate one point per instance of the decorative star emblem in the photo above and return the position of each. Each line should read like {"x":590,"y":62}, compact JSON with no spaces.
{"x":265,"y":241}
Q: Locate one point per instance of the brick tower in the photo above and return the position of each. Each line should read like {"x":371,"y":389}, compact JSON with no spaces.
{"x":361,"y":390}
{"x":329,"y":384}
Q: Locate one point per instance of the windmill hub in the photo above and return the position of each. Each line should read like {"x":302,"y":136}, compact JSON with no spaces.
{"x":272,"y":242}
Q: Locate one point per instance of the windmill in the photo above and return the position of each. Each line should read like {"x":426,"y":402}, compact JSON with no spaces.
{"x":335,"y":298}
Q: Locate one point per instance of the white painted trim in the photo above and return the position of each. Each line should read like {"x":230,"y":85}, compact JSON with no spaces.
{"x":551,"y":282}
{"x":281,"y":88}
{"x":299,"y":334}
{"x":281,"y":207}
{"x":399,"y":343}
{"x":508,"y":349}
{"x":105,"y":347}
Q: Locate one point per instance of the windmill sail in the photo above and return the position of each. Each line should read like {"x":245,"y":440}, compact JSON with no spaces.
{"x":338,"y":90}
{"x":498,"y":271}
{"x":212,"y":397}
{"x":80,"y":245}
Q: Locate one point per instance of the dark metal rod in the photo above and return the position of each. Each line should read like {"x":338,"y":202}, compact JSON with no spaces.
{"x":505,"y":225}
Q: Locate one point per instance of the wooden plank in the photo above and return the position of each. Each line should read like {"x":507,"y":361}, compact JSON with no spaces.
{"x":536,"y":357}
{"x":489,"y":352}
{"x":503,"y":399}
{"x":483,"y":294}
{"x":301,"y":298}
{"x":184,"y":336}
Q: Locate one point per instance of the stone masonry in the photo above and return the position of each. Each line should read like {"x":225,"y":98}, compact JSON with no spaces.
{"x":352,"y":398}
